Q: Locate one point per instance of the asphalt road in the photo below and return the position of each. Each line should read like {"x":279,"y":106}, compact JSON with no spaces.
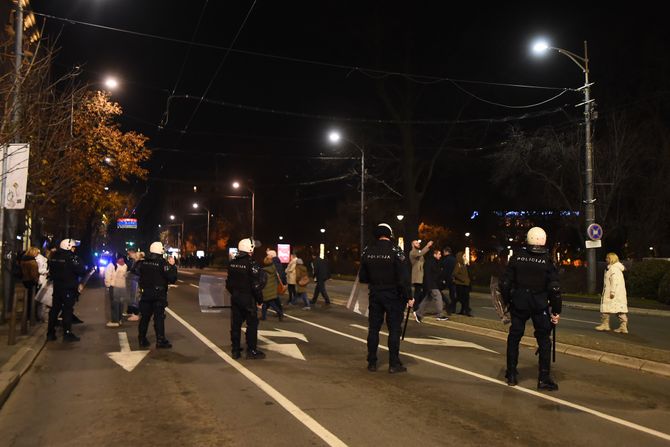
{"x":196,"y":395}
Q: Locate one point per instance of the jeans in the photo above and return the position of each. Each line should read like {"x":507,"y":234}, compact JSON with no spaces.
{"x":275,"y":304}
{"x":291,"y":293}
{"x":303,"y":296}
{"x":115,"y":304}
{"x":463,"y":295}
{"x":320,"y":288}
{"x":432,"y":295}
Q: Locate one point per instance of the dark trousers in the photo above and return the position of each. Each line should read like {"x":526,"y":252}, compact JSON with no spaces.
{"x":542,"y":325}
{"x":320,"y":287}
{"x":275,"y":304}
{"x":244,"y":309}
{"x":462,"y":295}
{"x":291,"y":293}
{"x":63,"y":301}
{"x":389,"y":306}
{"x":418,"y":294}
{"x":155,"y":308}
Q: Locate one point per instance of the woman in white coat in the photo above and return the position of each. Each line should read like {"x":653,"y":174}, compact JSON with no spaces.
{"x":614,"y":300}
{"x":115,"y":281}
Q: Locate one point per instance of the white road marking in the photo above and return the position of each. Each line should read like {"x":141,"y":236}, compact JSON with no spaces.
{"x":184,"y":272}
{"x":289,"y":406}
{"x":194,"y":285}
{"x":126,"y":358}
{"x":436,"y":341}
{"x":288,"y":349}
{"x":180,"y":280}
{"x":172,"y":286}
{"x":599,"y":414}
{"x":562,"y":318}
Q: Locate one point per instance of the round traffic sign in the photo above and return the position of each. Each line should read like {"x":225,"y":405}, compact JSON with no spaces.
{"x":595,"y":232}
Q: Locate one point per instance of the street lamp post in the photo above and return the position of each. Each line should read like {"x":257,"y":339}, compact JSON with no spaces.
{"x":180,"y":241}
{"x":252,"y":190}
{"x":589,"y":199}
{"x":335,"y":138}
{"x":195,"y":206}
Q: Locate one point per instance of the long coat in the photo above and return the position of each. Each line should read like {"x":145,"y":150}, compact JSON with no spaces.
{"x":416,"y":259}
{"x":290,"y":271}
{"x":613,"y":283}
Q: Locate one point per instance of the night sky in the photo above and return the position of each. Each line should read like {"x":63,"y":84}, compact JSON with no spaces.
{"x":325,"y":40}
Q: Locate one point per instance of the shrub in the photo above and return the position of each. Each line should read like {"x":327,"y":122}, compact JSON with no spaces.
{"x":644,"y":278}
{"x":664,"y":288}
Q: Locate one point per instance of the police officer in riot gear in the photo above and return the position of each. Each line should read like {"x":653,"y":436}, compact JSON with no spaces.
{"x":531,"y":289}
{"x":65,"y":269}
{"x":246,"y":288}
{"x":155,"y":275}
{"x":385,"y":270}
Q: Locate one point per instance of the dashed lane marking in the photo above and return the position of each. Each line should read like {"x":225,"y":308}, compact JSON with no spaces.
{"x":289,"y":406}
{"x":563,"y":402}
{"x":194,"y":285}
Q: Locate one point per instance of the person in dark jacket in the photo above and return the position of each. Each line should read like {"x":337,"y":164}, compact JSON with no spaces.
{"x":246,"y":288}
{"x":531,"y":289}
{"x":155,"y":274}
{"x":66,"y":270}
{"x":432,"y":278}
{"x":321,"y":275}
{"x":461,"y":277}
{"x":270,"y":297}
{"x":448,"y":265}
{"x":386,"y":271}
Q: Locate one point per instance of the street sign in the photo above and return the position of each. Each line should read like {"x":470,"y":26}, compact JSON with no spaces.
{"x":16,"y":176}
{"x":594,"y":232}
{"x":593,"y":244}
{"x":126,"y":222}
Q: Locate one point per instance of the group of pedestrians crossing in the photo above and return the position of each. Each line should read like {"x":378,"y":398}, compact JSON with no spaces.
{"x":440,"y":279}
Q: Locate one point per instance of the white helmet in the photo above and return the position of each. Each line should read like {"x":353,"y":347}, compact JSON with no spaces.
{"x":156,"y":248}
{"x":246,"y":245}
{"x":536,"y":236}
{"x":67,"y":244}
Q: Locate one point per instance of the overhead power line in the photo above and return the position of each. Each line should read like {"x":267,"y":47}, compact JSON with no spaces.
{"x":418,"y":78}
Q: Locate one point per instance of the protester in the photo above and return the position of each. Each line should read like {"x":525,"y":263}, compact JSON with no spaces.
{"x":614,"y":299}
{"x":155,"y":275}
{"x":302,"y":279}
{"x":321,"y":275}
{"x":531,"y":289}
{"x":43,"y":270}
{"x":30,"y":276}
{"x":278,"y":265}
{"x":270,"y":297}
{"x":432,"y":275}
{"x":132,"y":279}
{"x":416,"y":258}
{"x":290,"y":278}
{"x":448,"y":265}
{"x":115,"y":282}
{"x":384,"y":268}
{"x":462,"y":283}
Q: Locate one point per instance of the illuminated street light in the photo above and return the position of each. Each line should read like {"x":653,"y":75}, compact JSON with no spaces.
{"x":400,"y":217}
{"x":252,"y":190}
{"x":195,"y":206}
{"x":322,"y":230}
{"x":172,"y":217}
{"x":335,"y":137}
{"x":467,"y":234}
{"x":589,"y":200}
{"x":111,"y":83}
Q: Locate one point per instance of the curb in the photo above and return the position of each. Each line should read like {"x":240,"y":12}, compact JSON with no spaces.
{"x":12,"y":371}
{"x":650,"y":366}
{"x":631,"y":310}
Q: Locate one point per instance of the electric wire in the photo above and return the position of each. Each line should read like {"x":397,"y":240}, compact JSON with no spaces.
{"x":218,"y":69}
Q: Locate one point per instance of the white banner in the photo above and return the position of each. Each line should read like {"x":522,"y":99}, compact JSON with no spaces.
{"x":16,"y":176}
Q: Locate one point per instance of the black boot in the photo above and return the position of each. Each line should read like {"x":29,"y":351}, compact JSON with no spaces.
{"x":546,"y":383}
{"x":70,"y":337}
{"x":372,"y":366}
{"x":236,"y":353}
{"x":144,"y":342}
{"x":163,"y":343}
{"x":255,"y":354}
{"x":397,"y":368}
{"x":512,"y":377}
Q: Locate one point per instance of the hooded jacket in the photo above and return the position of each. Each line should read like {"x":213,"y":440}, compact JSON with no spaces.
{"x":614,"y":299}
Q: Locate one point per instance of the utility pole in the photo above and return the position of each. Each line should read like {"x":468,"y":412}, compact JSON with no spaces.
{"x":589,"y":199}
{"x":9,"y":219}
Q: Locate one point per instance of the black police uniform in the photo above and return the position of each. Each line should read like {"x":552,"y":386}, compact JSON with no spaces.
{"x":384,"y":268}
{"x":155,"y":275}
{"x":65,"y":269}
{"x":531,"y":289}
{"x":246,"y":289}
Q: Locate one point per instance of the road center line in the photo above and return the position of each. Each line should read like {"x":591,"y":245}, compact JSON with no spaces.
{"x":566,"y":403}
{"x":289,"y":406}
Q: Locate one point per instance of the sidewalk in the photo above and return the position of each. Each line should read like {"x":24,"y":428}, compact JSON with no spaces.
{"x":16,"y":359}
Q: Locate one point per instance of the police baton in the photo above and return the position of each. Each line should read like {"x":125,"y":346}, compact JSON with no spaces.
{"x":406,"y":320}
{"x":553,"y":342}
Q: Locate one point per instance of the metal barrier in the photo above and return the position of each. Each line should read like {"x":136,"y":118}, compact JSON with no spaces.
{"x":212,"y":294}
